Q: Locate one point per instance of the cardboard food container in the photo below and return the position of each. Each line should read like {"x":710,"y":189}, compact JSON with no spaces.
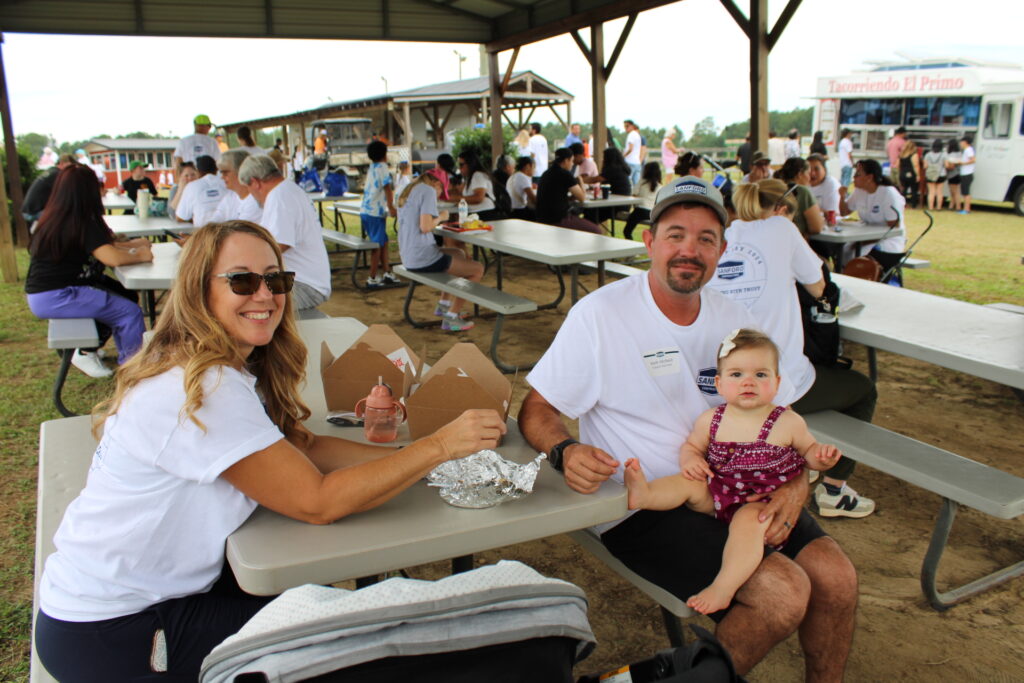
{"x":379,"y":352}
{"x":462,"y":379}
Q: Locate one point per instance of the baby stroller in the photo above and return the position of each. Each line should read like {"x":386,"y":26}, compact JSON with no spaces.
{"x":880,"y":266}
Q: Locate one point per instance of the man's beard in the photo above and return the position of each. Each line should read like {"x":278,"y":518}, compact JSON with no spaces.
{"x":689,"y":283}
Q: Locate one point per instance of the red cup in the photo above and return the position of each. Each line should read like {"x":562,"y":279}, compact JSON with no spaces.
{"x":830,"y":217}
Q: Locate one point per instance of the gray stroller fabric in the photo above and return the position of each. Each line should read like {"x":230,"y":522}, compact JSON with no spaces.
{"x":312,"y":630}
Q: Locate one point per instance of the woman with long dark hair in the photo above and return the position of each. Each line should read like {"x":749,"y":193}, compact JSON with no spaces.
{"x":70,"y":248}
{"x":247,"y":142}
{"x":477,"y":187}
{"x":647,"y":191}
{"x":808,"y":216}
{"x":818,"y":145}
{"x":690,"y":163}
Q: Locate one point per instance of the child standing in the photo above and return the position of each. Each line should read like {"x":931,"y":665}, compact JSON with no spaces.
{"x":378,"y":204}
{"x":751,"y":447}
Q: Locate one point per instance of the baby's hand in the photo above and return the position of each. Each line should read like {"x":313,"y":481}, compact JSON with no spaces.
{"x":827,"y":454}
{"x":696,"y":469}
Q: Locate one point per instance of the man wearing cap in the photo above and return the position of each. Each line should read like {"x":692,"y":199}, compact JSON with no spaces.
{"x":137,"y":181}
{"x":760,"y":167}
{"x":200,"y":198}
{"x":635,"y":363}
{"x":191,"y":147}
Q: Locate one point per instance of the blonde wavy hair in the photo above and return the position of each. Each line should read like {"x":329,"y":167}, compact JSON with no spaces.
{"x":753,"y":200}
{"x":188,"y":335}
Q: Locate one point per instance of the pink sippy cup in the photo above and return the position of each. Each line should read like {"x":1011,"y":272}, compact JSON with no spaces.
{"x":381,"y":414}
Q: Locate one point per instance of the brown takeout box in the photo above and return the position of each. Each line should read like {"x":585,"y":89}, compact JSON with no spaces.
{"x":349,"y":377}
{"x":464,"y":378}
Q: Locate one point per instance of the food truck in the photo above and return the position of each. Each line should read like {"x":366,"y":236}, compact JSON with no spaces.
{"x":934,"y":99}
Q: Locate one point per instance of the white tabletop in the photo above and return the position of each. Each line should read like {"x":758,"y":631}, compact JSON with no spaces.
{"x":979,"y":340}
{"x":117,"y":201}
{"x":158,"y":274}
{"x":130,"y":225}
{"x":270,"y":552}
{"x":855,"y":232}
{"x":613,"y":200}
{"x":548,"y":244}
{"x":319,"y":197}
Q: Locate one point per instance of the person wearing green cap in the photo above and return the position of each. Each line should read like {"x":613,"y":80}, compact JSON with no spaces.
{"x":196,"y":145}
{"x":137,"y":181}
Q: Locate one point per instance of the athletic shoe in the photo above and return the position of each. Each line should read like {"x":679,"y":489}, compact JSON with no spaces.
{"x":964,"y":213}
{"x":374,"y":282}
{"x":846,"y":504}
{"x":89,"y":363}
{"x":391,"y":279}
{"x":813,"y":476}
{"x":456,"y":324}
{"x":442,"y":308}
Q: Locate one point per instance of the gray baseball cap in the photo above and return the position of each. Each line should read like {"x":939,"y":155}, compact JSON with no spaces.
{"x":689,"y":189}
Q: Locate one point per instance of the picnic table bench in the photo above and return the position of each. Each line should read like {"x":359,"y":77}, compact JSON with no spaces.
{"x":958,"y":480}
{"x":66,"y":335}
{"x":357,"y":245}
{"x":499,"y":301}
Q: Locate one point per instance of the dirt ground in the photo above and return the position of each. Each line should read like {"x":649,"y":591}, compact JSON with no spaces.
{"x":899,"y":636}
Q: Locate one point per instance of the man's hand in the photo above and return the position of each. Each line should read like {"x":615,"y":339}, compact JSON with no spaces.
{"x":786,"y":503}
{"x":586,"y":467}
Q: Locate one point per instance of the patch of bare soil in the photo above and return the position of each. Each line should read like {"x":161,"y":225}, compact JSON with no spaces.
{"x":899,"y":636}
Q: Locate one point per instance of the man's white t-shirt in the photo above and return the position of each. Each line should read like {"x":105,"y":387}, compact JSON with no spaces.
{"x":878,"y":208}
{"x":777,"y":151}
{"x":290,"y":217}
{"x":252,"y":150}
{"x":539,"y":151}
{"x":846,"y":152}
{"x":517,"y":185}
{"x":758,"y":269}
{"x":200,"y":198}
{"x":479,"y":180}
{"x":191,"y":147}
{"x":967,"y":153}
{"x":826,"y":193}
{"x":151,"y":522}
{"x":233,"y":208}
{"x":636,"y":380}
{"x":633,"y":145}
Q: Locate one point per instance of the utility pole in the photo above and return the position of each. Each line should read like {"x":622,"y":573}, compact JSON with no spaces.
{"x":461,"y":60}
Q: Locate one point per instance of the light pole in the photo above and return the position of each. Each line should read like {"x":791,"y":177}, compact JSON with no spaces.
{"x":461,"y":60}
{"x":385,"y":86}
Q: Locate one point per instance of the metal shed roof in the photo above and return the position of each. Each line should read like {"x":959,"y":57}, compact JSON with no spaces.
{"x":135,"y":143}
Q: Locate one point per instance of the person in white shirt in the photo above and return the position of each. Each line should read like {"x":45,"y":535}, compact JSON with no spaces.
{"x":237,"y":203}
{"x":824,"y":187}
{"x":846,"y":157}
{"x":791,"y":148}
{"x":776,"y":150}
{"x":520,"y":189}
{"x":538,"y":150}
{"x":191,"y":147}
{"x":247,"y":142}
{"x":200,"y":198}
{"x":877,"y":202}
{"x":967,"y":160}
{"x":647,"y":191}
{"x":635,"y":362}
{"x":292,"y":219}
{"x":478,"y":188}
{"x":632,"y":152}
{"x":204,"y":425}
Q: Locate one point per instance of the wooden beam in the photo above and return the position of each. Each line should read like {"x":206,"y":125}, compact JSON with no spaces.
{"x":529,"y":116}
{"x":759,"y":74}
{"x":619,"y":45}
{"x":510,"y":121}
{"x":582,"y":46}
{"x":268,"y":16}
{"x":447,"y":117}
{"x":489,"y":23}
{"x":497,"y":134}
{"x":385,"y":20}
{"x":738,"y":16}
{"x":597,"y":83}
{"x":8,"y":262}
{"x":508,"y":71}
{"x":13,"y":174}
{"x":782,"y":22}
{"x":139,"y":23}
{"x":557,"y":116}
{"x":408,"y":124}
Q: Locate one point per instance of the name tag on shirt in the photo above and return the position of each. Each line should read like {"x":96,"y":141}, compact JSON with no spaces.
{"x":662,"y":362}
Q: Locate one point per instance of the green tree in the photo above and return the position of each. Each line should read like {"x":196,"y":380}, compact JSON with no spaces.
{"x":34,"y":142}
{"x":779,"y":121}
{"x":479,"y":140}
{"x":705,"y":134}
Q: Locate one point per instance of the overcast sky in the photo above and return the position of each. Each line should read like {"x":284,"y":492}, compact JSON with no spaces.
{"x":681,"y":63}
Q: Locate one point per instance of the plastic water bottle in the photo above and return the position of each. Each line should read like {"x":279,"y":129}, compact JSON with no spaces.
{"x":142,"y":203}
{"x":463,"y":212}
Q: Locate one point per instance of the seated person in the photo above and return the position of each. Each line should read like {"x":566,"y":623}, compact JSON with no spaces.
{"x":877,"y":202}
{"x":237,"y":203}
{"x":824,"y":187}
{"x":205,"y":423}
{"x":200,"y":198}
{"x":807,"y":216}
{"x":584,"y":168}
{"x":646,"y":190}
{"x":39,"y":191}
{"x":520,"y":189}
{"x":477,"y":189}
{"x":137,"y":181}
{"x":761,"y":167}
{"x":186,"y":174}
{"x":690,"y":163}
{"x":553,"y":191}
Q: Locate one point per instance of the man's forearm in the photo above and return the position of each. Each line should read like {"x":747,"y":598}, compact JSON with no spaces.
{"x":541,"y":423}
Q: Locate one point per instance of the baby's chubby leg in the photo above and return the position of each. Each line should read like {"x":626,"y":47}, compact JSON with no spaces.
{"x":743,"y":552}
{"x":666,"y":493}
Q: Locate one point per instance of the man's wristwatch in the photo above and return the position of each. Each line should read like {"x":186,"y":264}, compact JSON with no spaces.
{"x":555,"y":454}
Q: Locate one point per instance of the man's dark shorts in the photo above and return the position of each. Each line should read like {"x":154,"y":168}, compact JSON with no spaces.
{"x":681,"y":550}
{"x":965,"y":183}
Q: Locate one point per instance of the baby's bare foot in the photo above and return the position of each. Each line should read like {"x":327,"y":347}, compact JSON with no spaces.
{"x":711,"y":599}
{"x":636,"y":487}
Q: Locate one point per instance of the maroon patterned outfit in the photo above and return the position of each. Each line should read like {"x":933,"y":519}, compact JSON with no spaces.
{"x":745,"y":468}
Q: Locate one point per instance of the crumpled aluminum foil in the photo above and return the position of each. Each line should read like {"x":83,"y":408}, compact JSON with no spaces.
{"x":484,"y":479}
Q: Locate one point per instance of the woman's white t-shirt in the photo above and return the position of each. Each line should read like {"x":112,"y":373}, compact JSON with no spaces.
{"x":517,"y":185}
{"x":151,"y":522}
{"x":758,"y":269}
{"x":878,"y":208}
{"x":479,"y":180}
{"x":646,"y":194}
{"x":827,"y":194}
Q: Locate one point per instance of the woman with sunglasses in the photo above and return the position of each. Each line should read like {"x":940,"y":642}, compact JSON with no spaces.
{"x":204,"y":424}
{"x":765,"y":258}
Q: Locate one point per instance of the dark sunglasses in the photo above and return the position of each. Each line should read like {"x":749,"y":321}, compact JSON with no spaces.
{"x":247,"y":284}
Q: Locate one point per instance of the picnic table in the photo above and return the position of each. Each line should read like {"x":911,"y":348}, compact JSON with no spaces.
{"x":612,"y":201}
{"x":130,"y":225}
{"x":851,"y":232}
{"x":149,"y":277}
{"x":114,"y":202}
{"x":319,"y":198}
{"x":550,"y":245}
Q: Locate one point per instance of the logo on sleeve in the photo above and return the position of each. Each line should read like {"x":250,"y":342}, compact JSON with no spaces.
{"x":706,"y":381}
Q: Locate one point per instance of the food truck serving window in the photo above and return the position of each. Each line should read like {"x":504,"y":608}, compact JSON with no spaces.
{"x":943,"y":111}
{"x":872,"y":111}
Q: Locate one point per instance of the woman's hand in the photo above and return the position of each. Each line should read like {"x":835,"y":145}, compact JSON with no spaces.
{"x":474,"y":430}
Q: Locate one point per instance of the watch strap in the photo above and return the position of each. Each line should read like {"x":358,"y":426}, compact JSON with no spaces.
{"x":555,"y":454}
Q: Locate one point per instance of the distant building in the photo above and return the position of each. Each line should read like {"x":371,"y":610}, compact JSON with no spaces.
{"x":116,"y":155}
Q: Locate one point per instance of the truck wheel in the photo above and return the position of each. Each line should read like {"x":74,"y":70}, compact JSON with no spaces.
{"x":1018,"y":200}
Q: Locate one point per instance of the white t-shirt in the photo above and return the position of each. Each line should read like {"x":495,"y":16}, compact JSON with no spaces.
{"x":826,"y":193}
{"x":967,"y":153}
{"x":777,"y":151}
{"x":791,"y":149}
{"x":878,"y":208}
{"x":191,"y":147}
{"x":481,"y":180}
{"x":200,"y":198}
{"x":633,"y":145}
{"x":418,"y":248}
{"x":646,"y":194}
{"x":252,"y":150}
{"x":846,"y":152}
{"x":233,"y":208}
{"x":151,"y":522}
{"x":292,"y":220}
{"x":517,"y":185}
{"x":758,"y":270}
{"x":539,"y":151}
{"x":401,"y":182}
{"x":636,"y":380}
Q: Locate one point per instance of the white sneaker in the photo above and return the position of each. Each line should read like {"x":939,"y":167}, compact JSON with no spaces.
{"x":89,"y":363}
{"x":391,"y":279}
{"x":846,"y":504}
{"x":374,"y":282}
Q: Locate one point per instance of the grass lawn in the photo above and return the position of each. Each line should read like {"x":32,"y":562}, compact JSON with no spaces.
{"x":975,"y":258}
